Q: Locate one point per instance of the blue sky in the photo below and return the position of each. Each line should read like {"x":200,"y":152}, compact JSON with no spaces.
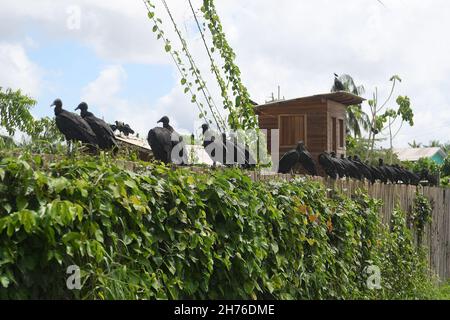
{"x":114,"y":63}
{"x":70,"y":66}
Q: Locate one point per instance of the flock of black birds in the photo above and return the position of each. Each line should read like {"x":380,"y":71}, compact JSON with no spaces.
{"x":87,"y":128}
{"x":353,"y":168}
{"x":168,"y":147}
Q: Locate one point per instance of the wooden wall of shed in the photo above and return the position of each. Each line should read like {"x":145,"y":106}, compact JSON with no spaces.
{"x":338,"y":111}
{"x":316,"y":121}
{"x":319,"y":113}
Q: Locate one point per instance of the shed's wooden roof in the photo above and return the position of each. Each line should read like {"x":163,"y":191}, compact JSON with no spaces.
{"x":342,"y":97}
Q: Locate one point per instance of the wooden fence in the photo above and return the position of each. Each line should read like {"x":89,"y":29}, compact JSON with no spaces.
{"x":437,"y":233}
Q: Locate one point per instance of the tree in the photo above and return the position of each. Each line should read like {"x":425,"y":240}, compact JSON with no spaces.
{"x":415,"y":144}
{"x":15,"y":111}
{"x":384,"y":119}
{"x":45,"y":129}
{"x":357,"y":120}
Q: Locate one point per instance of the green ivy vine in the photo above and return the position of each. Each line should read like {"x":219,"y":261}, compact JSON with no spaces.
{"x":421,"y":215}
{"x":241,"y":113}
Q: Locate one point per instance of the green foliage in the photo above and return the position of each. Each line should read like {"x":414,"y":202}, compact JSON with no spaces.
{"x":159,"y":233}
{"x":15,"y":111}
{"x":359,"y":146}
{"x":421,"y":214}
{"x":423,"y":164}
{"x":236,"y":99}
{"x":357,"y":119}
{"x":45,"y":129}
{"x":405,"y":269}
{"x":241,"y":115}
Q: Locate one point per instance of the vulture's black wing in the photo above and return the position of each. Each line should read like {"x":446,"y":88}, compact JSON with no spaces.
{"x":160,"y":141}
{"x":328,"y":165}
{"x":105,"y":135}
{"x":74,"y":127}
{"x":307,"y":162}
{"x":288,"y":161}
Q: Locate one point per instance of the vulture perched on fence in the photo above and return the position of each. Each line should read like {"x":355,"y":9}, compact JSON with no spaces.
{"x":105,"y":135}
{"x":387,"y":171}
{"x":160,"y":142}
{"x":242,"y":155}
{"x":298,"y":155}
{"x":164,"y":140}
{"x":338,"y":164}
{"x":426,"y":176}
{"x":215,"y":147}
{"x":351,"y":171}
{"x":306,"y":160}
{"x":74,"y":127}
{"x":363,"y":169}
{"x":328,"y":165}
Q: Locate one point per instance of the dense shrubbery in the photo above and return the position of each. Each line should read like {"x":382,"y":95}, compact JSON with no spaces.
{"x":163,"y":233}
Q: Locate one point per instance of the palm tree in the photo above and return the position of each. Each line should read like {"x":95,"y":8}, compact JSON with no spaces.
{"x":435,"y":144}
{"x":357,"y":119}
{"x":415,"y":144}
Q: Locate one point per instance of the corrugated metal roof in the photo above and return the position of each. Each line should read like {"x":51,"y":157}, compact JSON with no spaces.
{"x":343,"y":97}
{"x":138,"y":142}
{"x":415,"y":154}
{"x":198,"y":152}
{"x":200,"y":155}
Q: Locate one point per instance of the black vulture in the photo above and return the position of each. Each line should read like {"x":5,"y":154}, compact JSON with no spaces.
{"x":177,"y":142}
{"x":327,"y":163}
{"x":105,"y":135}
{"x":73,"y":127}
{"x":160,"y":142}
{"x":306,"y":159}
{"x":351,"y":171}
{"x":241,"y":153}
{"x":123,"y":128}
{"x":377,"y":173}
{"x":387,"y":171}
{"x":166,"y":124}
{"x":163,"y":141}
{"x":289,"y":160}
{"x":363,"y":169}
{"x":215,"y":147}
{"x":338,"y":85}
{"x":401,"y":174}
{"x":426,"y":176}
{"x":298,"y":155}
{"x":339,"y":165}
{"x":414,"y":179}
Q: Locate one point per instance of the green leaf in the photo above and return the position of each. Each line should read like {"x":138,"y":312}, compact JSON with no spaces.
{"x":28,"y":219}
{"x":4,"y":281}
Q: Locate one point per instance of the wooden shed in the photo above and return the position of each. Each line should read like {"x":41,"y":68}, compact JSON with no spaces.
{"x":317,"y":120}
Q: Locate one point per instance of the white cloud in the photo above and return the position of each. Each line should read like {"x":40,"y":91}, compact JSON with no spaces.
{"x":105,"y":96}
{"x":295,"y":44}
{"x":17,"y":70}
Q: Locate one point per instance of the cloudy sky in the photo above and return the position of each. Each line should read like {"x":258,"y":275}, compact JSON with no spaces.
{"x":112,"y":60}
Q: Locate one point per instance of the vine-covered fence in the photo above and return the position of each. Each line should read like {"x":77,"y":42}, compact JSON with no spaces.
{"x":437,"y":234}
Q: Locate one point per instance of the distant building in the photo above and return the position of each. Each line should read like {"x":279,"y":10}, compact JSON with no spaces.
{"x":415,"y":154}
